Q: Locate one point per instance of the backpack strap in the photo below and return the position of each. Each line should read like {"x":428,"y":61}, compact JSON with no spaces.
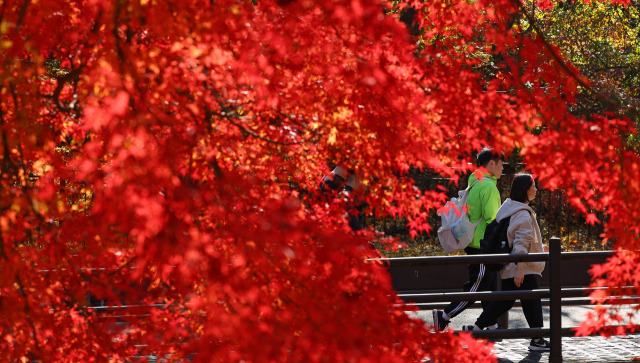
{"x":475,"y":181}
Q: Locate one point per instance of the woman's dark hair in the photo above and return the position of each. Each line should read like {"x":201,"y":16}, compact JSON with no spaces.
{"x":520,"y":187}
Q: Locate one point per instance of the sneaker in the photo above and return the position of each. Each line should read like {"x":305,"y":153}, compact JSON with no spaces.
{"x":473,"y":327}
{"x":470,"y":328}
{"x":439,"y":321}
{"x":539,"y":344}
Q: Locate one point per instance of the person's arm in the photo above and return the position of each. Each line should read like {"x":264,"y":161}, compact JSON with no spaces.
{"x":490,"y":202}
{"x":523,"y":233}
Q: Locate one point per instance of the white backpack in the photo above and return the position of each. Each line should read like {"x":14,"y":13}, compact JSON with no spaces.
{"x":457,"y":232}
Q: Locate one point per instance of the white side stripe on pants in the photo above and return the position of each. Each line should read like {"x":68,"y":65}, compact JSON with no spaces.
{"x":474,"y":288}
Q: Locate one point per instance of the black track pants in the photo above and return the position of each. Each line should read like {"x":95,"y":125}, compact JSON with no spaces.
{"x":532,"y":308}
{"x":479,"y":280}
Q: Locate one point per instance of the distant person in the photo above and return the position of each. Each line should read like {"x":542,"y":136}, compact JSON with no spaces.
{"x":483,"y":202}
{"x":352,"y":194}
{"x":523,"y":234}
{"x":334,"y":182}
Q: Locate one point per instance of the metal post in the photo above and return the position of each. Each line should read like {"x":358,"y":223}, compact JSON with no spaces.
{"x":555,"y":302}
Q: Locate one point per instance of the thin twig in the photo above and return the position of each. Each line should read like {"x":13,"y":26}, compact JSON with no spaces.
{"x":252,"y":133}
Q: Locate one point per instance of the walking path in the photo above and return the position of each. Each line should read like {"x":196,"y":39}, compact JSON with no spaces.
{"x":574,"y":349}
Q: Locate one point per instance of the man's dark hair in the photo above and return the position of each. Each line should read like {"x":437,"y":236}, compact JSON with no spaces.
{"x":487,"y":154}
{"x":520,"y":188}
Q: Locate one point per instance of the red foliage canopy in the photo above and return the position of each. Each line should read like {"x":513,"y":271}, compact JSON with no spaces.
{"x":149,"y":151}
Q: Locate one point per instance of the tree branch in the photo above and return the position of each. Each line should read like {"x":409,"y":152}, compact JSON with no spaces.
{"x":71,"y":76}
{"x":606,"y":100}
{"x":23,"y":13}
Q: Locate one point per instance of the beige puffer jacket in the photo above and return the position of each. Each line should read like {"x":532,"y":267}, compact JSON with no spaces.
{"x":523,"y":234}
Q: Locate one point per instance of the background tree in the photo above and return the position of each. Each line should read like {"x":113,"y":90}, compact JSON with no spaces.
{"x":601,"y":40}
{"x":149,"y":150}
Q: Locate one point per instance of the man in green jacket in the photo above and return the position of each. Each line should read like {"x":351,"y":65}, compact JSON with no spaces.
{"x":483,"y":202}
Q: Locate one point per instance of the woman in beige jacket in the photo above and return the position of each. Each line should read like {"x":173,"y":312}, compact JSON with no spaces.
{"x":524,"y":236}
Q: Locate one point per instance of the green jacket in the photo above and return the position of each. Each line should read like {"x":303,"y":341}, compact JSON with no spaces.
{"x":484,"y":201}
